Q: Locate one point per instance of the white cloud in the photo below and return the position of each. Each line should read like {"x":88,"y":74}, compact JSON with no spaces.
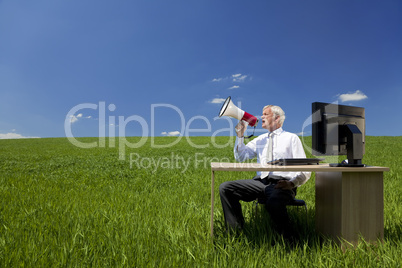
{"x":13,"y":136}
{"x":304,"y":133}
{"x":356,"y":96}
{"x":74,"y":118}
{"x":234,"y":77}
{"x":234,"y":87}
{"x":238,"y":77}
{"x":171,"y":133}
{"x":217,"y":100}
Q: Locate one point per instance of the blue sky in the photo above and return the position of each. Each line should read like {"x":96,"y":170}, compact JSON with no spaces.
{"x":160,"y":67}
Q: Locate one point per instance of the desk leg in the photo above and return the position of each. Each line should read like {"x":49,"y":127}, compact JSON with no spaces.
{"x":212,"y":202}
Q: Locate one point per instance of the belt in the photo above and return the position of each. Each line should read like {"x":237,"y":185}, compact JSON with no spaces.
{"x":272,"y":179}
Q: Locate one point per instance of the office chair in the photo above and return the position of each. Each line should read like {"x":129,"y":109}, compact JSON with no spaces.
{"x":294,"y":202}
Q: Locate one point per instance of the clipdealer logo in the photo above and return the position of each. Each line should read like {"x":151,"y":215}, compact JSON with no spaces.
{"x":174,"y":161}
{"x":107,"y":129}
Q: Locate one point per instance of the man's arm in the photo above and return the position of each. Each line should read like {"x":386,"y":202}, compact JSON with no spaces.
{"x":241,"y":151}
{"x":301,"y":177}
{"x":240,"y":129}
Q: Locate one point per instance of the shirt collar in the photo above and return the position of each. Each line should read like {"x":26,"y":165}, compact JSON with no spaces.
{"x":277,"y":131}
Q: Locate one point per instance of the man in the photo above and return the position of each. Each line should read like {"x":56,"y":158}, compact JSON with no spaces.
{"x":275,"y":188}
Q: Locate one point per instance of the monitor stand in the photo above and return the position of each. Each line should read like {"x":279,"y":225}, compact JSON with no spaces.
{"x":345,"y":163}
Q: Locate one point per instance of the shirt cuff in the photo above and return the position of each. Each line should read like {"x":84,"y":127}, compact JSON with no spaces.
{"x":240,"y":139}
{"x":239,"y":142}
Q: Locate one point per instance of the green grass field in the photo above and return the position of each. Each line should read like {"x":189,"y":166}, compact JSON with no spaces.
{"x":63,"y":206}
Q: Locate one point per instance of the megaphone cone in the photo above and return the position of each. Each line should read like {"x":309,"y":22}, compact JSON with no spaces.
{"x":231,"y":110}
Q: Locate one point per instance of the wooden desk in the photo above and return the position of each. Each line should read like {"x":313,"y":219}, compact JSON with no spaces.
{"x":349,"y":201}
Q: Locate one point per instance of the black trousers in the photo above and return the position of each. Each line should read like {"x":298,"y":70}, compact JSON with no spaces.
{"x":231,"y":192}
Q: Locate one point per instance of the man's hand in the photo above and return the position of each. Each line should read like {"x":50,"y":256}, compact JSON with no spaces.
{"x":240,"y":129}
{"x":285,"y":185}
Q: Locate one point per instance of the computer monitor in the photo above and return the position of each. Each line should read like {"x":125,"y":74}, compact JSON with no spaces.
{"x":338,"y":130}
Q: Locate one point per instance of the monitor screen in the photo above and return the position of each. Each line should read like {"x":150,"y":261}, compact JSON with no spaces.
{"x":338,"y":130}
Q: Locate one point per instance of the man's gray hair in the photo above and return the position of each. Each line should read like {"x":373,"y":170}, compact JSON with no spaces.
{"x":278,"y":112}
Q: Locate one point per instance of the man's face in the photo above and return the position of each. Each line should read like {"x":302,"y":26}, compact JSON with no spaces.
{"x":269,"y":122}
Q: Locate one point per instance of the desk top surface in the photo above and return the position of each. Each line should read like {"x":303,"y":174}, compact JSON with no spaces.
{"x":221,"y":166}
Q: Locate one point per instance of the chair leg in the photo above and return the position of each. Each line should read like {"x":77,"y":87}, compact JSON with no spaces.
{"x":256,"y":207}
{"x":305,"y":209}
{"x":306,"y":217}
{"x":305,"y":227}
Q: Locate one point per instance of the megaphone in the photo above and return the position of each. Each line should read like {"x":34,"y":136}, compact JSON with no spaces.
{"x":229,"y":109}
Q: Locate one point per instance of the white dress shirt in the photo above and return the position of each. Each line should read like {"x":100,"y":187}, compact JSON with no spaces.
{"x":285,"y":145}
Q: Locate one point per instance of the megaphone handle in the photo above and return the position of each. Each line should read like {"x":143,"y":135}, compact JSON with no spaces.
{"x":248,"y":137}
